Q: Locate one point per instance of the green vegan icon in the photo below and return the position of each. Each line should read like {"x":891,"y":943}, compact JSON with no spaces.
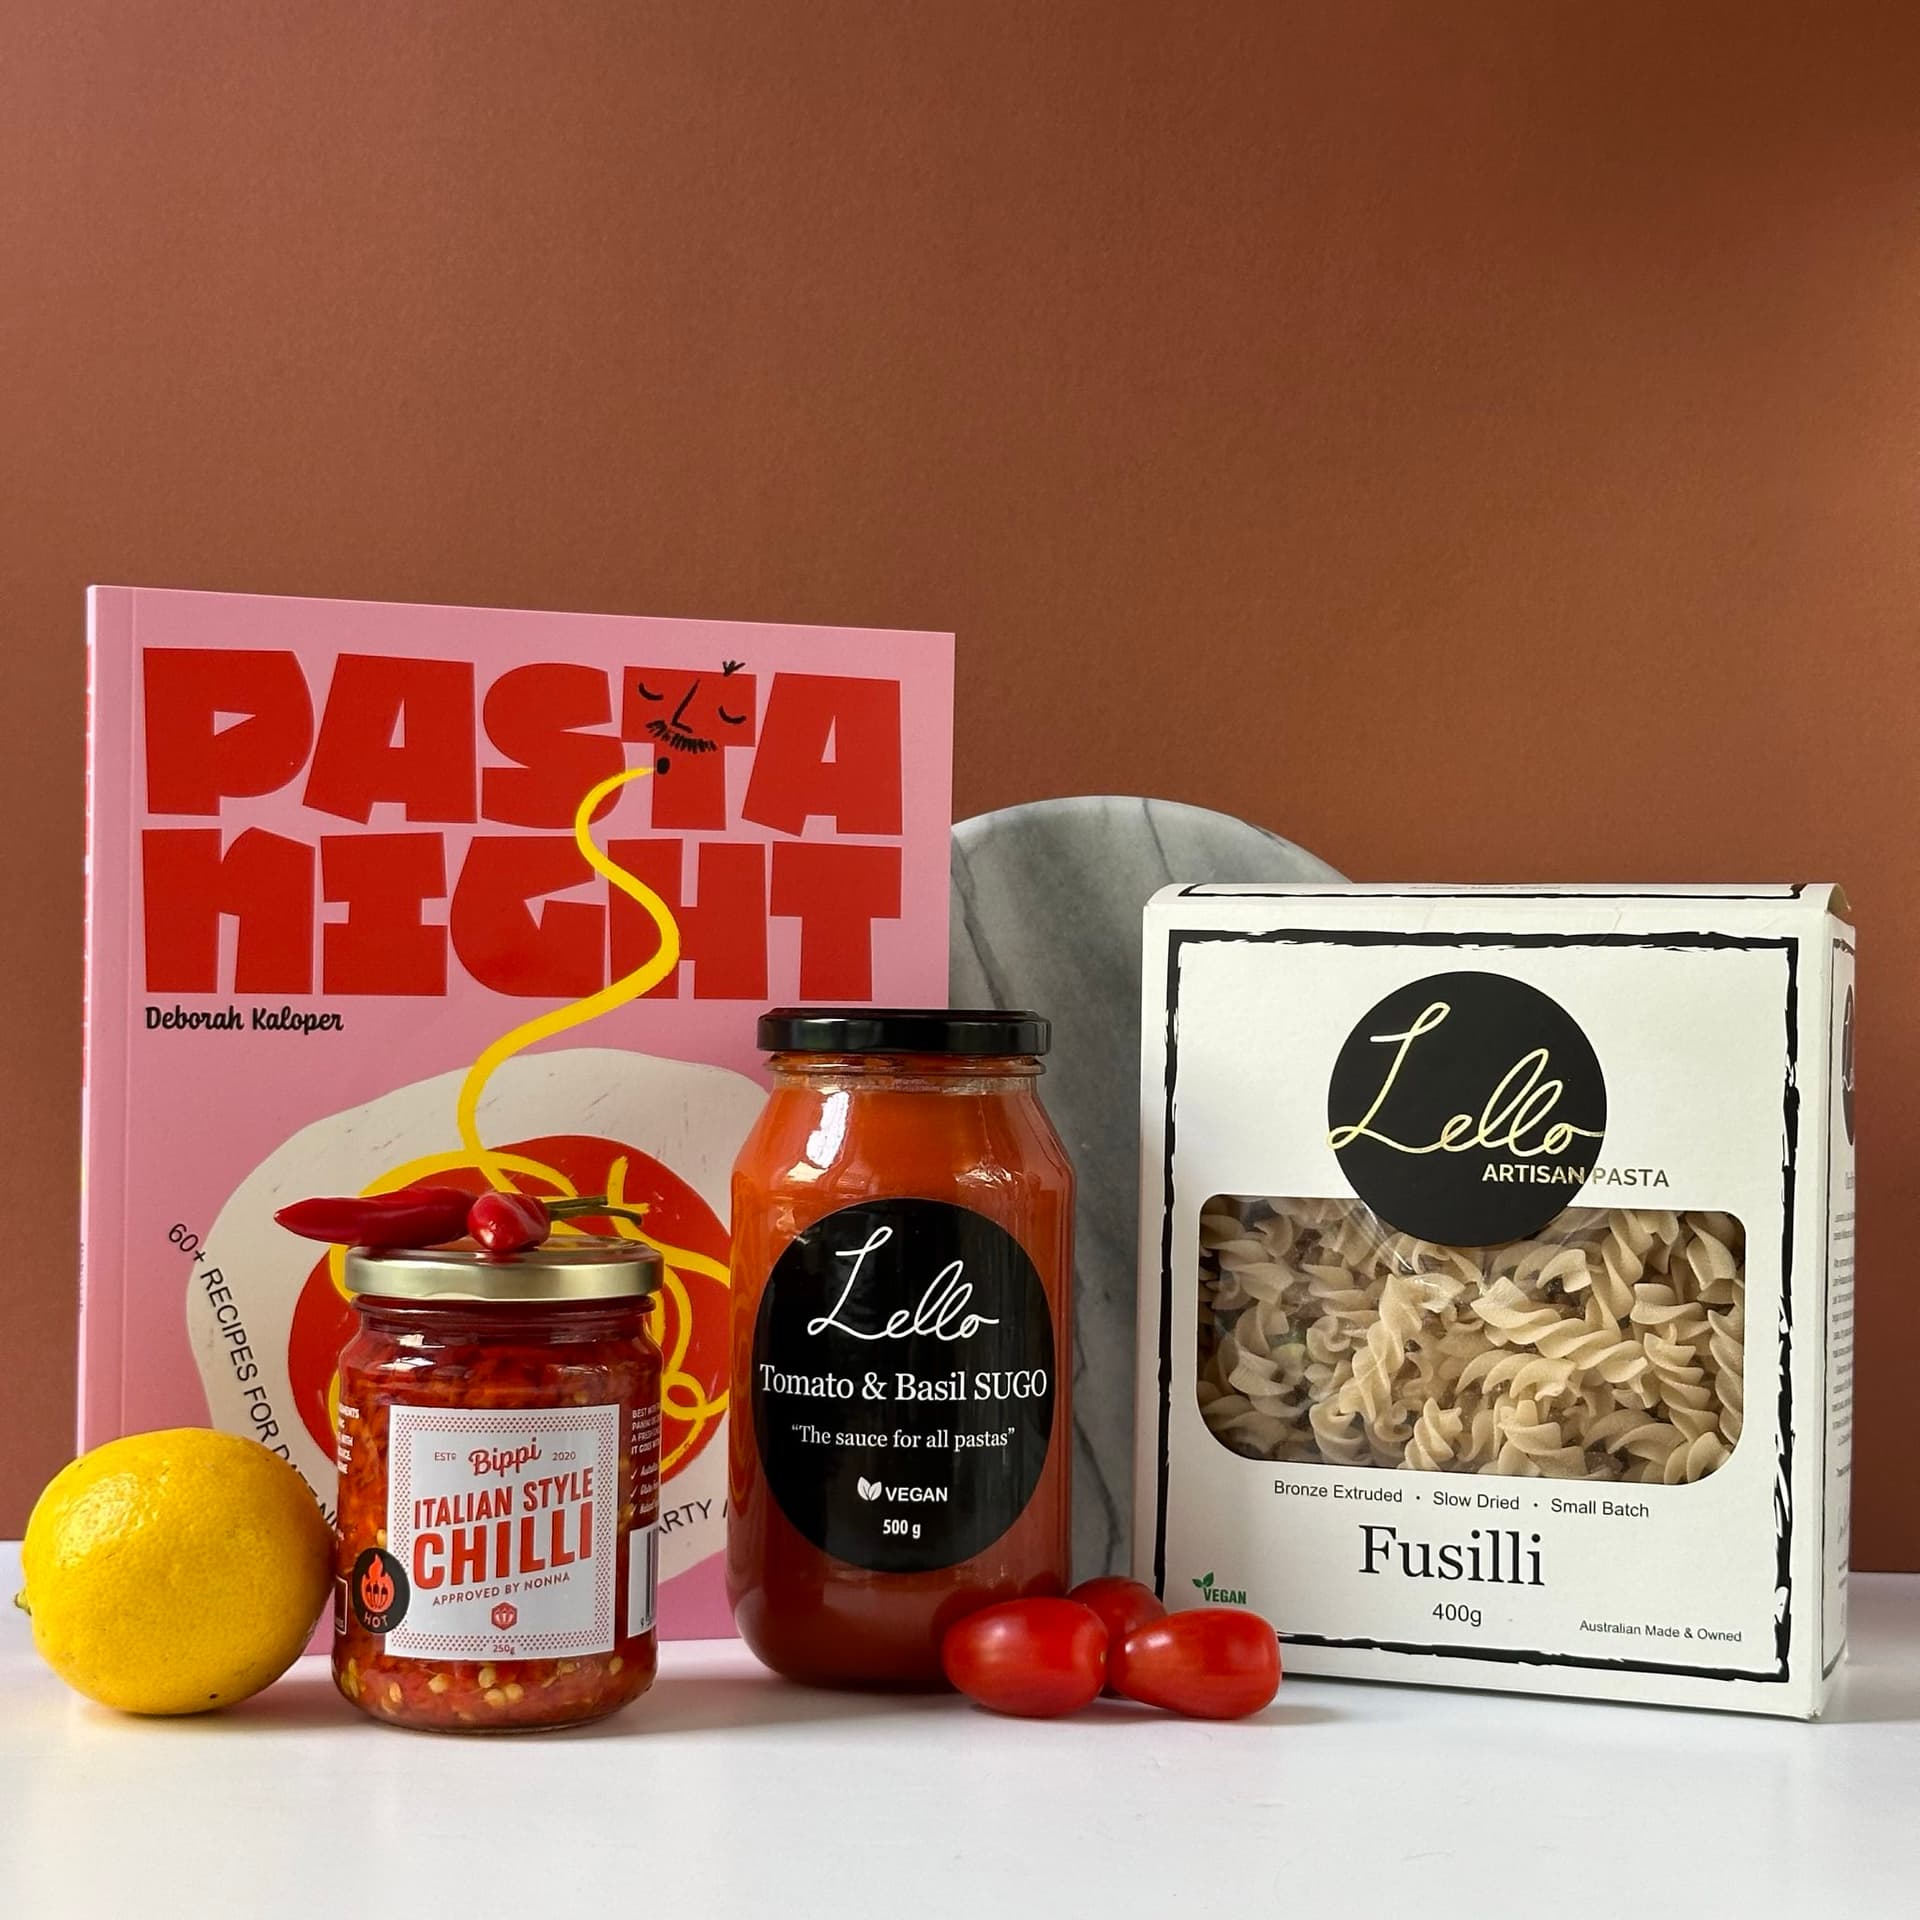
{"x":1220,"y":1596}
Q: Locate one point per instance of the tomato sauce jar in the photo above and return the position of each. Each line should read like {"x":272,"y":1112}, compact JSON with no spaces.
{"x":901,"y":1355}
{"x":499,"y":1454}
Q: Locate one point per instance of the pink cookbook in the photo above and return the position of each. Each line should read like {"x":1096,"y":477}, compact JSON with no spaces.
{"x":367,"y":899}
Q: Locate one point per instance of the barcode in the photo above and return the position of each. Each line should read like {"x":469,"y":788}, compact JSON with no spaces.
{"x":643,"y":1571}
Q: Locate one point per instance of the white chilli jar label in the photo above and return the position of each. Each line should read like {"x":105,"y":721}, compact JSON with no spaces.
{"x":507,"y":1527}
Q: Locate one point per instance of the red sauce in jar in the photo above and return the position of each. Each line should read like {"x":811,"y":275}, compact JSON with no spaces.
{"x":902,"y":1275}
{"x":499,"y":1454}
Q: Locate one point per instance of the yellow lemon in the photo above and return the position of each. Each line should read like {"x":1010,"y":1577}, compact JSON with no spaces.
{"x":173,"y":1572}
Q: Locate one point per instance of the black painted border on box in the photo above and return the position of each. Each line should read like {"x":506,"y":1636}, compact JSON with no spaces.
{"x":1785,"y":892}
{"x":1840,"y":944}
{"x":1179,"y":938}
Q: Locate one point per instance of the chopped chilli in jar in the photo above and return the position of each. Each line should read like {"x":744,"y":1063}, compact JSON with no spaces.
{"x":499,"y":1455}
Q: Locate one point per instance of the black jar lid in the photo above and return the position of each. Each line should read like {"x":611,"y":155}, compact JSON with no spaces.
{"x":978,"y":1032}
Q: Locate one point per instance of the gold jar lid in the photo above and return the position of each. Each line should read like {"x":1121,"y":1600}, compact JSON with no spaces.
{"x":571,"y":1267}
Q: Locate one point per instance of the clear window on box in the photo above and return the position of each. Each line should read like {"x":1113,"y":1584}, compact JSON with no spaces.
{"x":1608,"y":1348}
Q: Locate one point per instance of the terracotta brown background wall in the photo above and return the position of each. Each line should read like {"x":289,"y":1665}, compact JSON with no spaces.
{"x":1482,"y":441}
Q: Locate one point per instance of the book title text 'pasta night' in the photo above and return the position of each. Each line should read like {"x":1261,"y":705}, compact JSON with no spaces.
{"x":433,"y":742}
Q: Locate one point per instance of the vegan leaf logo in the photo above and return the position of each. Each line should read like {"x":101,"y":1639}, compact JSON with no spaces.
{"x":870,"y":1489}
{"x":1212,"y":1595}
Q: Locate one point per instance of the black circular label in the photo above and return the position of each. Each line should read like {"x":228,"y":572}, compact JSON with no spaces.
{"x":377,"y":1591}
{"x":903,"y":1378}
{"x":1467,"y":1108}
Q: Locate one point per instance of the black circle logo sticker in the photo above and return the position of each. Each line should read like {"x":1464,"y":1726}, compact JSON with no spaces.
{"x":377,"y":1591}
{"x":903,"y":1381}
{"x":1846,"y":1066}
{"x":1467,"y":1108}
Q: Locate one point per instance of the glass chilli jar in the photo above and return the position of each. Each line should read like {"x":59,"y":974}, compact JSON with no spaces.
{"x":901,"y":1353}
{"x":499,"y":1453}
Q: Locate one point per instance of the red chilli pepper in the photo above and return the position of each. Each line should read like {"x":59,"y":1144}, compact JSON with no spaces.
{"x":508,"y":1222}
{"x":413,"y":1217}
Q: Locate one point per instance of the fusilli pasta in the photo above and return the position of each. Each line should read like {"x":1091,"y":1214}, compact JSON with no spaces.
{"x":1610,"y":1349}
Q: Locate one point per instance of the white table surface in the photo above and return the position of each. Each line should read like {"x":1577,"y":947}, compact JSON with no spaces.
{"x":726,"y":1793}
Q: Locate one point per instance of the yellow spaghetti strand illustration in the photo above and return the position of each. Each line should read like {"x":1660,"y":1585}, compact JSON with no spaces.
{"x":643,"y":979}
{"x":682,"y":1395}
{"x":694,"y":1407}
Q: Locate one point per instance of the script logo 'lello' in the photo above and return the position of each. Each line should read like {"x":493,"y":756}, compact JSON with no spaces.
{"x":1467,"y":1108}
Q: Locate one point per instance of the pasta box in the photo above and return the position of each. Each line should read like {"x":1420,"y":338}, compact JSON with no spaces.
{"x":1496,"y":1282}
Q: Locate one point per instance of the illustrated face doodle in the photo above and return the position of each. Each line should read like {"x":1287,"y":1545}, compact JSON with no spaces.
{"x":690,"y":716}
{"x":696,"y":713}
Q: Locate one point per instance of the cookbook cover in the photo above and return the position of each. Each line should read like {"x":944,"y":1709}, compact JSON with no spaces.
{"x":376,"y":894}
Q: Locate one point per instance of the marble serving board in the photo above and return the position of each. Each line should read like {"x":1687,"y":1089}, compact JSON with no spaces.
{"x":1046,"y":914}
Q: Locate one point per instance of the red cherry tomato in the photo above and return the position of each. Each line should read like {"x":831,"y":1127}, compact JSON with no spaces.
{"x":1212,"y":1663}
{"x":1122,"y":1603}
{"x":1036,"y":1658}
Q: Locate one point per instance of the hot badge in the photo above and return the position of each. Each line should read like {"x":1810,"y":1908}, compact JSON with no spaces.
{"x":377,"y":1591}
